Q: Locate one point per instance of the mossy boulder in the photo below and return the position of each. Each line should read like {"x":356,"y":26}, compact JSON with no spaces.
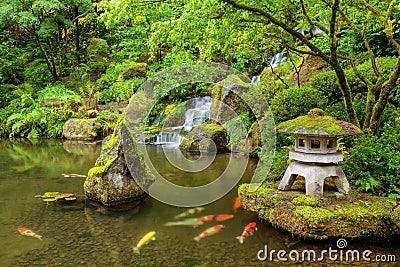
{"x":80,"y":129}
{"x":308,"y":66}
{"x":251,"y":145}
{"x":357,"y":215}
{"x":97,"y":47}
{"x":134,"y":70}
{"x":110,"y":182}
{"x":201,"y":137}
{"x":223,"y":95}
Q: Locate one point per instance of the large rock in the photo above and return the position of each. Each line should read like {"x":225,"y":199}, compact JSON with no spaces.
{"x":251,"y":145}
{"x":308,"y":65}
{"x":224,"y":95}
{"x":357,"y":215}
{"x":202,"y":136}
{"x":110,"y":182}
{"x":80,"y":129}
{"x":134,"y":70}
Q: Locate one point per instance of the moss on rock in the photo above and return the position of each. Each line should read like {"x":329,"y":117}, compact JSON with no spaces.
{"x":80,"y":129}
{"x":224,"y":95}
{"x":317,"y":124}
{"x":110,"y":182}
{"x":353,"y":216}
{"x":94,"y":44}
{"x":201,"y":136}
{"x":133,"y":70}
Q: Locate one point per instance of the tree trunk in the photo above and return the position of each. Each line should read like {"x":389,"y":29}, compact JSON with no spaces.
{"x":383,"y":99}
{"x":345,"y":89}
{"x":77,"y":41}
{"x":46,"y":57}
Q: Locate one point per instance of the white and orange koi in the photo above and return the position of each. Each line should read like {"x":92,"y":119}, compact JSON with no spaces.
{"x":73,"y":175}
{"x":189,"y":212}
{"x":248,"y":231}
{"x":218,"y":218}
{"x":187,"y":222}
{"x":209,"y":231}
{"x":28,"y":232}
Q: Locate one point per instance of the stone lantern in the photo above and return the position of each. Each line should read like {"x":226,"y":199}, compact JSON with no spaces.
{"x":315,"y":152}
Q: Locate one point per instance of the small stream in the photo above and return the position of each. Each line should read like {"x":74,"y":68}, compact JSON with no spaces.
{"x":84,"y":234}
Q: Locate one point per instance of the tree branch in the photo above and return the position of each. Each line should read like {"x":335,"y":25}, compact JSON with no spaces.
{"x":310,"y":21}
{"x":280,"y":24}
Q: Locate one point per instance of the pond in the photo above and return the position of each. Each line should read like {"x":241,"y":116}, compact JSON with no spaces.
{"x":84,"y":234}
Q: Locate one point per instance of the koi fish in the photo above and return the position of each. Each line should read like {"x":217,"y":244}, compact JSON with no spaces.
{"x":248,"y":231}
{"x":219,"y":217}
{"x":209,"y":231}
{"x":189,"y":212}
{"x":237,"y":204}
{"x":72,"y":175}
{"x":187,"y":222}
{"x":28,"y":232}
{"x":145,"y":239}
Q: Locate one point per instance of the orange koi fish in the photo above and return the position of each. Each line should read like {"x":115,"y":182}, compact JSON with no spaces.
{"x":219,"y":217}
{"x":248,"y":231}
{"x":237,"y":204}
{"x":209,"y":231}
{"x":28,"y":232}
{"x":72,"y":175}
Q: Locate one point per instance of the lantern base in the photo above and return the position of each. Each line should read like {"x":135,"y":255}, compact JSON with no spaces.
{"x":314,"y":176}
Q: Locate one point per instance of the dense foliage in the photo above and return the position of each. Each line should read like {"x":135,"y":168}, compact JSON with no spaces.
{"x":78,"y":58}
{"x":373,"y":164}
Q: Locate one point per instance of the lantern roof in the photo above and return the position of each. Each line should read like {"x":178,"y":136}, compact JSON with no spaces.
{"x":317,"y":124}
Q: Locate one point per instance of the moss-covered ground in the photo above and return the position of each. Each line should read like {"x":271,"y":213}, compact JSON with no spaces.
{"x":357,"y":215}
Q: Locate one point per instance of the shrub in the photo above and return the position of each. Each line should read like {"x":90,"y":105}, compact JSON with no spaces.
{"x":279,"y":165}
{"x":326,"y":82}
{"x":373,"y":164}
{"x":6,"y":94}
{"x":26,"y":117}
{"x":37,"y":73}
{"x":295,"y":101}
{"x":113,"y":87}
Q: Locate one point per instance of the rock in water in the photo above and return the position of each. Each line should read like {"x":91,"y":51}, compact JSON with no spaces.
{"x":110,"y":182}
{"x":80,"y":129}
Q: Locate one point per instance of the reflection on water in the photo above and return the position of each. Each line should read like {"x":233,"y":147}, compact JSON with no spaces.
{"x":83,"y":234}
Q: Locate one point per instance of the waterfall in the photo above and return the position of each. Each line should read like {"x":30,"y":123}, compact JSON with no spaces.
{"x":197,"y":112}
{"x":275,"y":60}
{"x":278,"y":58}
{"x":168,"y":138}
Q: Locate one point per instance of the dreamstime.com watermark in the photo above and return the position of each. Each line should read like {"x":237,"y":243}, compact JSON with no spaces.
{"x":332,"y":254}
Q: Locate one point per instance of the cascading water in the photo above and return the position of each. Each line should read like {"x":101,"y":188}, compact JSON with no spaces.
{"x":197,"y":112}
{"x":275,"y":60}
{"x":168,"y":138}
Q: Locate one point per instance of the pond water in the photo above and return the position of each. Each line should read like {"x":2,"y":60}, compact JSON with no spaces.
{"x":84,"y":234}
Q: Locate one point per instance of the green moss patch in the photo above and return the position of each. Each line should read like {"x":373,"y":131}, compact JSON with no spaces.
{"x":194,"y":140}
{"x":353,"y":216}
{"x":327,"y":123}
